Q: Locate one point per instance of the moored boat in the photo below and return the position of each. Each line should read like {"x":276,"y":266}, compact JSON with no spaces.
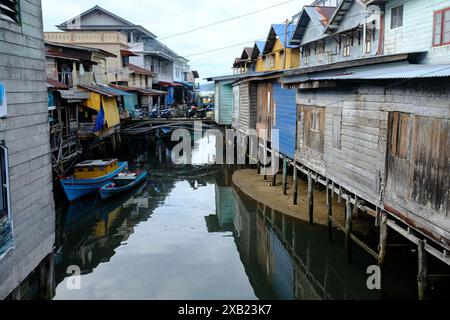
{"x":123,"y":182}
{"x":90,"y":176}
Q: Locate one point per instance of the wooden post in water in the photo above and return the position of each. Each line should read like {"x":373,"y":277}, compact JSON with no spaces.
{"x":348,"y":230}
{"x":295,"y":196}
{"x":310,"y":199}
{"x":330,"y":213}
{"x":383,"y":245}
{"x":285,"y":164}
{"x":46,"y":278}
{"x":423,"y":270}
{"x":258,"y":162}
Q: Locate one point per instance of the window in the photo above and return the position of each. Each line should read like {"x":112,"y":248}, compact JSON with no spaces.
{"x":397,"y":17}
{"x":320,"y":51}
{"x":368,"y":46}
{"x":306,"y":55}
{"x":400,"y":124}
{"x":6,"y":234}
{"x":337,"y":124}
{"x":315,"y":121}
{"x":347,"y":46}
{"x":9,"y":10}
{"x":441,"y":32}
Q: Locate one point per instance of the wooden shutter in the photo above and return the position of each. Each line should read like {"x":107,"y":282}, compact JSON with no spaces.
{"x":9,"y":10}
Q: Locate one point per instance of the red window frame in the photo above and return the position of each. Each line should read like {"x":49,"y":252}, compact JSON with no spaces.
{"x":441,"y":41}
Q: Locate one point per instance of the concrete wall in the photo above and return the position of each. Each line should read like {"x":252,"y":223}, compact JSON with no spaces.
{"x":25,"y":131}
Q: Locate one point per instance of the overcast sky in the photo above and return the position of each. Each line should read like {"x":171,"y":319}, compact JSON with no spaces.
{"x":168,"y":17}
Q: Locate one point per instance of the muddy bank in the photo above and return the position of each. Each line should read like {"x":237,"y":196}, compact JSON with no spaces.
{"x":254,"y":185}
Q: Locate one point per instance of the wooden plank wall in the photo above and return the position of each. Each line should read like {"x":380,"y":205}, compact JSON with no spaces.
{"x":387,"y":143}
{"x":25,"y":131}
{"x":265,"y":111}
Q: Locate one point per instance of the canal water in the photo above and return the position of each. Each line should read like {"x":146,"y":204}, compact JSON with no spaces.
{"x":188,"y":234}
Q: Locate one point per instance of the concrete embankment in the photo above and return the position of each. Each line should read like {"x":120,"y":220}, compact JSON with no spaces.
{"x":254,"y":185}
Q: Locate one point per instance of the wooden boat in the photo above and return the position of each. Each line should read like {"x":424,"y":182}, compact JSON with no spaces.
{"x":90,"y":176}
{"x":123,"y":182}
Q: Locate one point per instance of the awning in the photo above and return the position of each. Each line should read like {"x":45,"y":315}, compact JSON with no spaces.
{"x":127,"y":53}
{"x":73,"y":95}
{"x":401,"y":70}
{"x":188,"y":85}
{"x":104,"y":90}
{"x":140,"y":70}
{"x":51,"y":83}
{"x":151,"y":92}
{"x":169,"y":84}
{"x":145,"y":92}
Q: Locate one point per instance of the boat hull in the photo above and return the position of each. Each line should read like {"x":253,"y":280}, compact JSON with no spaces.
{"x":107,"y":192}
{"x":78,"y":188}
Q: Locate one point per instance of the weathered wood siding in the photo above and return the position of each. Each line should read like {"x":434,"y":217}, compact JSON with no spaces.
{"x":248,"y":106}
{"x":351,"y":151}
{"x":236,"y":107}
{"x":310,"y":141}
{"x":25,"y":131}
{"x":265,"y":110}
{"x":386,"y":142}
{"x":418,"y":177}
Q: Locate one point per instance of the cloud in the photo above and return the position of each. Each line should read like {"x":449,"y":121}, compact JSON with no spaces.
{"x":168,"y":17}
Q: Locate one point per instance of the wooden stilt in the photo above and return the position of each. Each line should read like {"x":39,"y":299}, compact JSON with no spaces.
{"x":274,"y":179}
{"x":340,"y":195}
{"x":348,"y":230}
{"x":383,"y":245}
{"x":310,"y":199}
{"x":356,"y":208}
{"x":423,"y":270}
{"x":285,"y":165}
{"x":330,"y":213}
{"x":332,"y":190}
{"x":46,"y":278}
{"x":295,"y":196}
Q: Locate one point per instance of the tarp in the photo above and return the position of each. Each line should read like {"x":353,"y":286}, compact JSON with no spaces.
{"x":131,"y":101}
{"x":96,"y":101}
{"x":100,"y":122}
{"x":169,"y":97}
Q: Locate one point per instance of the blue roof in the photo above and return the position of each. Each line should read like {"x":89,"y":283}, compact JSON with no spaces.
{"x":116,"y":91}
{"x":260,"y":45}
{"x":280,"y":31}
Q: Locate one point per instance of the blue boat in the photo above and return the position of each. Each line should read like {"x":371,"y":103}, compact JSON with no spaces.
{"x":122,"y":183}
{"x":90,"y":176}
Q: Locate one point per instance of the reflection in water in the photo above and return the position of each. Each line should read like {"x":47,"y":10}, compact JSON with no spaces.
{"x":187,"y":234}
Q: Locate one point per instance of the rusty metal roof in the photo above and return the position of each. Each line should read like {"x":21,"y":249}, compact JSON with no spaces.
{"x":51,"y":83}
{"x":319,"y":16}
{"x":140,"y":70}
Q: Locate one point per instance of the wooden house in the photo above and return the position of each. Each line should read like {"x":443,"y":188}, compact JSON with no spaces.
{"x":375,"y":121}
{"x":278,"y":53}
{"x":27,"y":213}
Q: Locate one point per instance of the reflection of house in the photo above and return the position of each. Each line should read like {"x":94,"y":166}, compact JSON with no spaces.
{"x":27,"y":215}
{"x":222,"y":220}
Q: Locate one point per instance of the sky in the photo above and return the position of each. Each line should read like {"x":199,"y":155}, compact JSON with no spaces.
{"x":169,"y":17}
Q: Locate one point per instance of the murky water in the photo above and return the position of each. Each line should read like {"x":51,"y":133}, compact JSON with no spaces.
{"x":187,"y":234}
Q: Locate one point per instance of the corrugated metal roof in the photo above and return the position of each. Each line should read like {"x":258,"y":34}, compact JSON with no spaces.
{"x":283,"y":33}
{"x":402,"y":70}
{"x":239,"y":76}
{"x":104,"y":90}
{"x":139,"y":70}
{"x":51,"y":83}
